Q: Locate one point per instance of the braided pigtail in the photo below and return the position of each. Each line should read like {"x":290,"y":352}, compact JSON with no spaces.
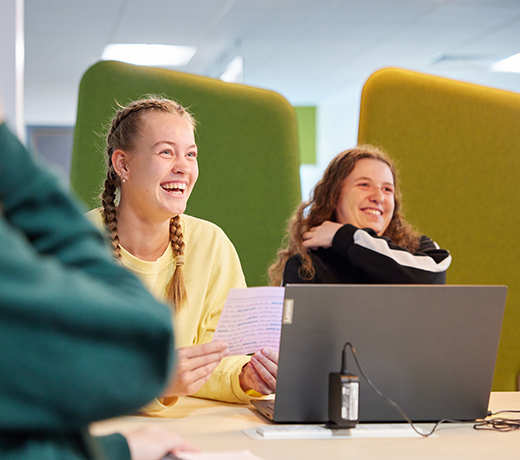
{"x":108,"y":198}
{"x":115,"y":139}
{"x":176,"y":289}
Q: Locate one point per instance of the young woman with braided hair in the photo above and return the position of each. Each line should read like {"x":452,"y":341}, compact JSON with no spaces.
{"x":352,"y":230}
{"x":187,"y":262}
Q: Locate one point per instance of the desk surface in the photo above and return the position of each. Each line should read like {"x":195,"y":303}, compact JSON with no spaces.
{"x":214,"y":426}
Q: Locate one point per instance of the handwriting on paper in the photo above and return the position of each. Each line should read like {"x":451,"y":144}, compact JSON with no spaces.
{"x":251,"y":319}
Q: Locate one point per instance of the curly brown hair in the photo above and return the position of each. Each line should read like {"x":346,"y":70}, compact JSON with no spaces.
{"x":322,"y":207}
{"x":123,"y":131}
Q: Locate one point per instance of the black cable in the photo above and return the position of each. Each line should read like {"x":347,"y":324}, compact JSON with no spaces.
{"x":489,"y":424}
{"x":499,"y":424}
{"x":387,"y":399}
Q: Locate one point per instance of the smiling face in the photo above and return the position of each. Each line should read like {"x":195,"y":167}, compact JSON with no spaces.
{"x":161,"y":169}
{"x":367,"y":196}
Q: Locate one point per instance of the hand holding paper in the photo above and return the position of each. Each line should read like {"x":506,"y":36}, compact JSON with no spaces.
{"x":194,"y":367}
{"x":251,"y":323}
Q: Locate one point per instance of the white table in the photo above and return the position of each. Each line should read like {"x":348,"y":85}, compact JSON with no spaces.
{"x":215,"y":426}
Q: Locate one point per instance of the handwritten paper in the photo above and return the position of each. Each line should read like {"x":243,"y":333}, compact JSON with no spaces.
{"x":251,"y":319}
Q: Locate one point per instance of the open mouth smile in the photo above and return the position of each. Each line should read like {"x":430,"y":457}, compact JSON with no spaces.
{"x":373,"y":212}
{"x":174,"y":188}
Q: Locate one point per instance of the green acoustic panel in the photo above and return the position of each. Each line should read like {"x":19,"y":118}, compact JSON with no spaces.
{"x":248,"y":152}
{"x":457,"y":147}
{"x":306,"y":118}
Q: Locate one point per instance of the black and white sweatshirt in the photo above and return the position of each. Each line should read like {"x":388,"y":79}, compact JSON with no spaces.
{"x":359,"y":256}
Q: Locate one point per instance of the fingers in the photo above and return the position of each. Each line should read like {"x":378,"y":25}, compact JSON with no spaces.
{"x":273,"y":356}
{"x":197,"y":356}
{"x":256,"y":382}
{"x":204,"y":349}
{"x":267,"y":358}
{"x":320,"y":236}
{"x":195,"y":365}
{"x":197,"y":361}
{"x":308,"y":235}
{"x":265,"y":364}
{"x":308,"y":239}
{"x":310,"y":245}
{"x":260,"y":373}
{"x":189,"y":380}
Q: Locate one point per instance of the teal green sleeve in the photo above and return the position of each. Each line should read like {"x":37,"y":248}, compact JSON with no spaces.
{"x":80,"y":338}
{"x":65,"y":445}
{"x":114,"y":447}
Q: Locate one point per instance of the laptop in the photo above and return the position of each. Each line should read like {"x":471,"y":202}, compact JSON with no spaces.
{"x":430,"y":348}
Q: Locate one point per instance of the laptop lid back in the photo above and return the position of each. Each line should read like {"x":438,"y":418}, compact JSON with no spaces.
{"x":430,"y":348}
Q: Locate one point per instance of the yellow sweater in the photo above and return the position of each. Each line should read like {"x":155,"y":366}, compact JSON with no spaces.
{"x":211,"y":268}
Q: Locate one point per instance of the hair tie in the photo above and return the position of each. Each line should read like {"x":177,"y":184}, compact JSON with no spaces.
{"x":179,"y":260}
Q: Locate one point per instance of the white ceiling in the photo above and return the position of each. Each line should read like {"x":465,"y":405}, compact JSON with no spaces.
{"x":307,"y":50}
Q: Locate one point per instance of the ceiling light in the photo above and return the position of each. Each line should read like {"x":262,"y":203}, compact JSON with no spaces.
{"x":510,"y":64}
{"x":234,"y":72}
{"x":152,"y":55}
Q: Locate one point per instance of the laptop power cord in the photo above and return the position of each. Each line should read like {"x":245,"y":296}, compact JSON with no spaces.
{"x":498,"y":423}
{"x":344,"y":403}
{"x":344,"y":398}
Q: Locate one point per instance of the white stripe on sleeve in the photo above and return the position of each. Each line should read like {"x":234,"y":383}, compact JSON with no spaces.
{"x":404,"y":258}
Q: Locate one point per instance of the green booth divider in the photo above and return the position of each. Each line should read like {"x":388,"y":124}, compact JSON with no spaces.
{"x":249,"y":181}
{"x":457,"y":147}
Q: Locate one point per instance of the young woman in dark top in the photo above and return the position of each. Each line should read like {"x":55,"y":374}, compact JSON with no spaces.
{"x":352,"y":230}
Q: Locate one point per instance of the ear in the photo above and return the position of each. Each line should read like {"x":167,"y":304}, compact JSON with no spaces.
{"x":119,"y":158}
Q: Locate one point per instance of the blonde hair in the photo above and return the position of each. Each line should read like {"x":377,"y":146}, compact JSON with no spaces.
{"x":322,"y":207}
{"x":123,"y":130}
